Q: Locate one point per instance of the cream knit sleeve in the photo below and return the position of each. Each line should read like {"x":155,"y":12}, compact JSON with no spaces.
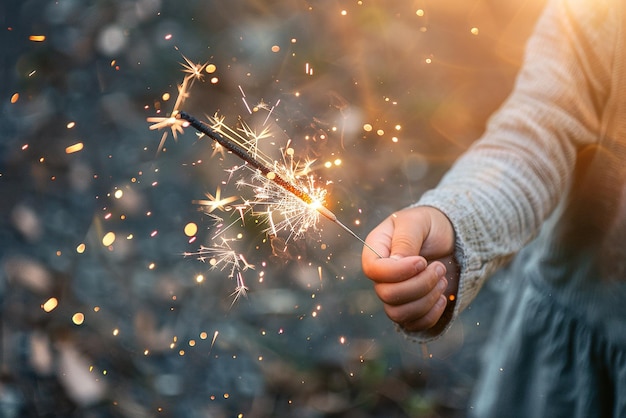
{"x":498,"y":193}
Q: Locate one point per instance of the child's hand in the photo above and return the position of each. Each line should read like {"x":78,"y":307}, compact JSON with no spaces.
{"x":412,"y":290}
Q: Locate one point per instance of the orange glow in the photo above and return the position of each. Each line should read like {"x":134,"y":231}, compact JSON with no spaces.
{"x":191,"y":229}
{"x":37,"y":38}
{"x":50,"y":305}
{"x":78,"y":318}
{"x":108,"y":239}
{"x":74,"y":148}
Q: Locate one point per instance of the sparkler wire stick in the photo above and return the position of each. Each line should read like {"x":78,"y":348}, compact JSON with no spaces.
{"x":242,"y":153}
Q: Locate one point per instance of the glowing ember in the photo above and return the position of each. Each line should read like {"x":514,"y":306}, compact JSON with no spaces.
{"x":108,"y":239}
{"x":214,"y":202}
{"x":191,"y":229}
{"x":74,"y":148}
{"x":50,"y":305}
{"x":78,"y":318}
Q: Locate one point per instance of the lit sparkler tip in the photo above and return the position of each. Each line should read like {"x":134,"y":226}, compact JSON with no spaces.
{"x":325,"y":212}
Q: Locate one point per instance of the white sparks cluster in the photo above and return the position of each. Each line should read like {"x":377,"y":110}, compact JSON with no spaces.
{"x":285,"y":211}
{"x":192,"y":72}
{"x":221,"y":256}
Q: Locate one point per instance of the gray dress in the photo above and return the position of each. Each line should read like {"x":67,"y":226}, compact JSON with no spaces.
{"x":558,"y":348}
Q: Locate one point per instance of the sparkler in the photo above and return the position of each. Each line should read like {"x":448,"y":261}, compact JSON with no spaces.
{"x":243,"y":153}
{"x":277,"y":186}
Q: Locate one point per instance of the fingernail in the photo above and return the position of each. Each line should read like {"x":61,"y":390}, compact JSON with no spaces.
{"x":442,"y":284}
{"x":420,"y":265}
{"x":440,"y":270}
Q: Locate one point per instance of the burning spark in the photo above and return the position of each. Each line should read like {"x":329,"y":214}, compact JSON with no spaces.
{"x":215,"y":202}
{"x":215,"y":334}
{"x":240,"y":289}
{"x":252,"y":138}
{"x":191,"y":229}
{"x":74,"y":148}
{"x":222,"y":256}
{"x":50,"y":305}
{"x":193,"y":70}
{"x":218,"y":149}
{"x":172,"y":122}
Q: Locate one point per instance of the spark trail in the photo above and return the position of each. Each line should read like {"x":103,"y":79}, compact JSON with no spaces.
{"x":270,"y":174}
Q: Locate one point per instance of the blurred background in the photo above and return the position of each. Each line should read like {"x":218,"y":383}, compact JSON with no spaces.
{"x":101,"y":312}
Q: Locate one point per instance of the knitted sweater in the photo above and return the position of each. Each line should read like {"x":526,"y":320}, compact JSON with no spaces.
{"x":549,"y":163}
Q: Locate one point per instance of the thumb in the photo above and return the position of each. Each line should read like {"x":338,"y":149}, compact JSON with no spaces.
{"x":409,"y":232}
